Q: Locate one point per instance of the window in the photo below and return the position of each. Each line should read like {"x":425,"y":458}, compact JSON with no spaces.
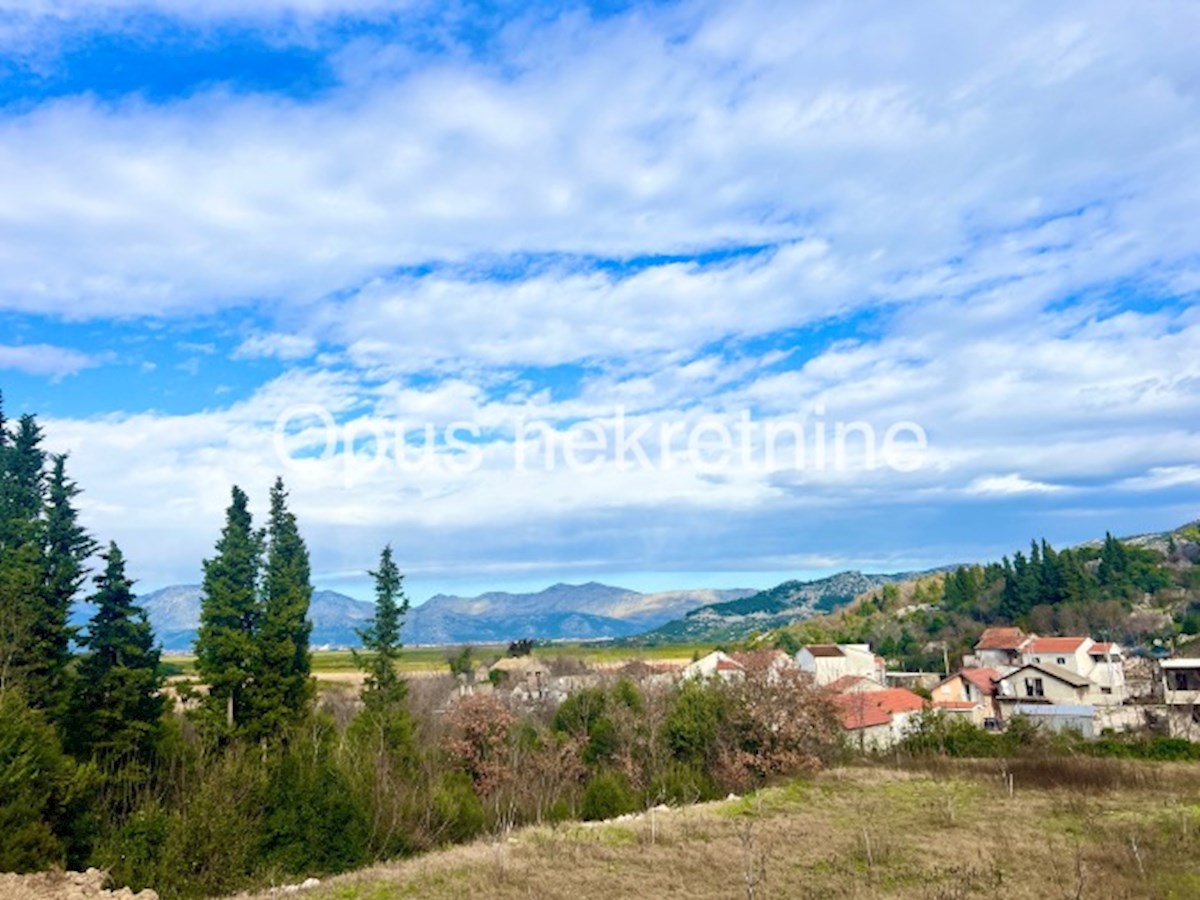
{"x":1034,"y":687}
{"x":1181,"y":681}
{"x":1062,"y":660}
{"x":1106,"y":690}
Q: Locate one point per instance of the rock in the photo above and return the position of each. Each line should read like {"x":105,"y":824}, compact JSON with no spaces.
{"x":309,"y":883}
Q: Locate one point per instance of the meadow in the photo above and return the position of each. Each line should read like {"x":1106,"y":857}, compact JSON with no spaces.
{"x":945,"y":830}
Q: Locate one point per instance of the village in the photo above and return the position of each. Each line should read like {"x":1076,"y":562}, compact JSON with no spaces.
{"x":1057,"y":683}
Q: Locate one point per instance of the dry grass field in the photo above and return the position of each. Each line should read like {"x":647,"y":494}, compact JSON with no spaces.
{"x":1070,"y":829}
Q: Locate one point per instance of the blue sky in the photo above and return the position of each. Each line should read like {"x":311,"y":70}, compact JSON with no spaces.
{"x":977,"y":221}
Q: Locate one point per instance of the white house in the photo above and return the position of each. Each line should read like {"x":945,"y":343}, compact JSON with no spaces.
{"x":998,"y":648}
{"x":1102,"y":664}
{"x":1181,"y":694}
{"x":829,"y":662}
{"x":1044,"y":683}
{"x":875,"y":720}
{"x":717,"y":664}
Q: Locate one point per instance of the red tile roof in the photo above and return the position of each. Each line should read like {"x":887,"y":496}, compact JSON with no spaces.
{"x":870,"y":708}
{"x":983,"y":678}
{"x":1001,"y":639}
{"x":1103,"y":648}
{"x":728,"y":665}
{"x":1056,"y":644}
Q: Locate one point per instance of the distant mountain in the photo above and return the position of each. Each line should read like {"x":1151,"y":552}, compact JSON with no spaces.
{"x":560,"y":612}
{"x":175,"y":614}
{"x":781,"y":605}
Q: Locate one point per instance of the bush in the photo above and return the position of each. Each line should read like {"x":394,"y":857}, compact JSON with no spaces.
{"x":313,"y":822}
{"x":608,"y":795}
{"x":457,"y":810}
{"x":44,"y":795}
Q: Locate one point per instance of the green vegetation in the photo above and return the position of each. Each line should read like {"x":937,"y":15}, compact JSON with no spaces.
{"x":1116,"y":591}
{"x":862,"y":831}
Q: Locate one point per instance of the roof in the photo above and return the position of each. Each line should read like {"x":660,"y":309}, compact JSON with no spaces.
{"x":1064,"y":675}
{"x":867,"y":709}
{"x":761,"y":660}
{"x":1056,"y":644}
{"x":1001,"y":639}
{"x":1181,"y":662}
{"x":849,"y":682}
{"x":1103,"y":648}
{"x":954,"y":704}
{"x":728,"y":665}
{"x":984,"y":678}
{"x":824,"y":650}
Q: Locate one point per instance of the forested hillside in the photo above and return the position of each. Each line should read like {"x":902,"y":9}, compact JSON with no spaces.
{"x":1142,"y":592}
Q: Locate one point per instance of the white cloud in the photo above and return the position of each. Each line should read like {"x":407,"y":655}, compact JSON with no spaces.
{"x":288,"y":347}
{"x":1011,"y":483}
{"x":44,"y":359}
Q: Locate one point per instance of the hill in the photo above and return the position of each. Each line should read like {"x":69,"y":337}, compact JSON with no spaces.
{"x":1142,"y":591}
{"x":792,"y":601}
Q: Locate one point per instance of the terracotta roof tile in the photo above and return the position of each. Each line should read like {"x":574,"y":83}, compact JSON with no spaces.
{"x":1056,"y":644}
{"x":871,"y":708}
{"x":1001,"y":639}
{"x":983,"y":678}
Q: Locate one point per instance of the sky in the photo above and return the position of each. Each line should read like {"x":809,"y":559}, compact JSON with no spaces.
{"x":543,"y":292}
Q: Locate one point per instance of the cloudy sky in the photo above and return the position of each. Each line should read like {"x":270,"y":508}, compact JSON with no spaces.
{"x":311,"y":238}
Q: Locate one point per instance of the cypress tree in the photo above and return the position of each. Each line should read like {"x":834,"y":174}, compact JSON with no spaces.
{"x":381,"y":638}
{"x":226,"y":654}
{"x":67,"y":548}
{"x":116,"y":709}
{"x":283,"y":688}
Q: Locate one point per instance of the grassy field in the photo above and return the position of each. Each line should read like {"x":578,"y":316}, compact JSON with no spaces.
{"x":1070,"y":829}
{"x":434,"y":659}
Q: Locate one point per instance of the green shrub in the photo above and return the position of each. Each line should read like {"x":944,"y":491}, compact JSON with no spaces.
{"x":608,"y":795}
{"x":457,"y":810}
{"x":44,"y":795}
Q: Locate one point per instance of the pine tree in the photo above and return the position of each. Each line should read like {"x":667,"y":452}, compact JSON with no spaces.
{"x":29,"y":654}
{"x":67,"y":548}
{"x":226,"y":653}
{"x":116,"y":708}
{"x":283,"y":688}
{"x":381,"y":638}
{"x":385,"y":722}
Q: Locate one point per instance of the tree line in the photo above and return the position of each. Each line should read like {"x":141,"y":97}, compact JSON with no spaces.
{"x":248,"y":775}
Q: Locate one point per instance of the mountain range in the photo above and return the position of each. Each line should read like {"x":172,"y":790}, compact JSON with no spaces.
{"x":561,"y":612}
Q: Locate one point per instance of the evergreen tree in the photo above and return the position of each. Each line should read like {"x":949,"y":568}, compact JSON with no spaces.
{"x":381,"y":638}
{"x":116,"y":706}
{"x":67,"y":548}
{"x":226,"y":653}
{"x":283,"y":688}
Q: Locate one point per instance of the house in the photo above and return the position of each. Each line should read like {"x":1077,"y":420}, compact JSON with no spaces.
{"x":829,"y":662}
{"x":770,"y":662}
{"x":1181,"y":695}
{"x":970,"y":693}
{"x":876,"y":720}
{"x":717,"y":664}
{"x":1101,"y":663}
{"x":999,"y":648}
{"x":1041,"y":683}
{"x":525,"y":674}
